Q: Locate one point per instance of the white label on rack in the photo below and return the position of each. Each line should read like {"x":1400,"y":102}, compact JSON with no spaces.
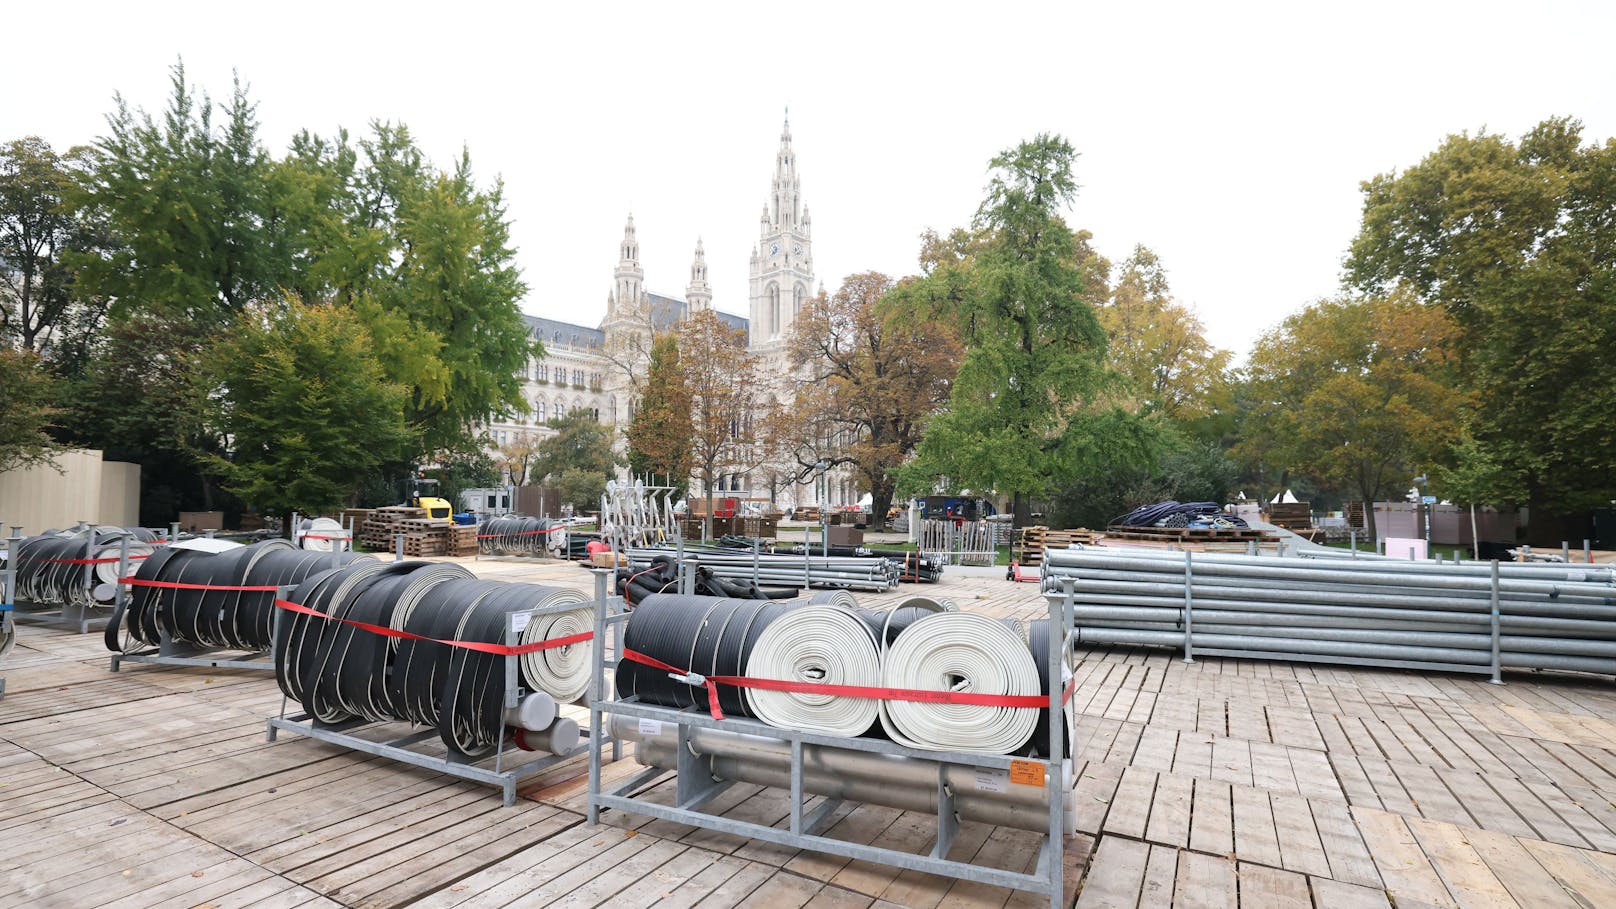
{"x":992,"y":780}
{"x":519,"y":621}
{"x":650,"y":727}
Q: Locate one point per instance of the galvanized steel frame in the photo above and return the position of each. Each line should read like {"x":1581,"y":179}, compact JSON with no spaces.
{"x":506,"y":778}
{"x":695,"y":783}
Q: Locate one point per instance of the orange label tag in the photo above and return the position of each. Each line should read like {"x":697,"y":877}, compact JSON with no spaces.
{"x":1027,"y":773}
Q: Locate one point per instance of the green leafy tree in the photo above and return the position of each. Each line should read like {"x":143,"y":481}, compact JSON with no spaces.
{"x":579,"y":443}
{"x":1355,"y":394}
{"x":458,"y":471}
{"x":1181,"y":468}
{"x":659,"y":435}
{"x":298,"y":391}
{"x":25,"y":410}
{"x":39,"y":231}
{"x":581,"y":488}
{"x":1022,"y":417}
{"x":1516,"y":242}
{"x":187,"y":204}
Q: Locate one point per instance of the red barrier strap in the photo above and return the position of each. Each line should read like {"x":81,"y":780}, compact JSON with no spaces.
{"x":176,"y":585}
{"x":711,"y":682}
{"x":519,"y":533}
{"x":109,"y":561}
{"x":315,"y":536}
{"x":479,"y":646}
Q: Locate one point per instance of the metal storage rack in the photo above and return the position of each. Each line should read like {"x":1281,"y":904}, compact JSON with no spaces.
{"x":495,"y":771}
{"x":8,"y":595}
{"x":169,"y":652}
{"x":697,"y":784}
{"x":72,"y":616}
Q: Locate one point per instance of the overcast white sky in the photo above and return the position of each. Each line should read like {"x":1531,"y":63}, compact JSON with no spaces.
{"x":1228,"y":137}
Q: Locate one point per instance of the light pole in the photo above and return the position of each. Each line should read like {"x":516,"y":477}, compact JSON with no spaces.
{"x":1425,"y":511}
{"x":824,"y":508}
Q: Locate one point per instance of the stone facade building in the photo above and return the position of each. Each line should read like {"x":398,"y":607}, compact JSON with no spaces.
{"x":599,"y":369}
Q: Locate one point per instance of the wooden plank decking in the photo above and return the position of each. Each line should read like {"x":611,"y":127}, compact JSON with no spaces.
{"x":1222,"y":783}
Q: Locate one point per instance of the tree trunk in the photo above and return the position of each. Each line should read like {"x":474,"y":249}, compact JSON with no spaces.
{"x":880,"y":502}
{"x":707,"y":516}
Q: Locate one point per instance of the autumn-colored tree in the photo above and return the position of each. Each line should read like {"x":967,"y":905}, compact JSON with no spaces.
{"x":1355,"y":393}
{"x":517,"y":456}
{"x":1517,"y":242}
{"x":659,"y":434}
{"x":722,"y":379}
{"x":880,"y":371}
{"x":1160,"y":346}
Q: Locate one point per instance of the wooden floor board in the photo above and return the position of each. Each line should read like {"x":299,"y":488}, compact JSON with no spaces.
{"x":1222,"y":782}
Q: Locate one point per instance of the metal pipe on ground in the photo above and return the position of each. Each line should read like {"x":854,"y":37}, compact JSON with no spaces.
{"x":908,"y":784}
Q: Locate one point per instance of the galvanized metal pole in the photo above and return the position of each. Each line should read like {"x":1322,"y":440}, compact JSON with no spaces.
{"x":1498,"y":665}
{"x":1189,"y":606}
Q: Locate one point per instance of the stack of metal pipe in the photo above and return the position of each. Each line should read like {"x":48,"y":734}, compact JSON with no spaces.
{"x":849,"y":573}
{"x":1474,"y":617}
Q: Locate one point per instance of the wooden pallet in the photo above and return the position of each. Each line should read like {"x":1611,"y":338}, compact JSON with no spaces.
{"x":1291,"y":515}
{"x":1031,"y":542}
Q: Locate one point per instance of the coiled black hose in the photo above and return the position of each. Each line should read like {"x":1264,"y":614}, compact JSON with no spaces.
{"x":714,"y":636}
{"x":519,"y":534}
{"x":1176,"y":514}
{"x":223,"y":617}
{"x":662,"y":576}
{"x":338,"y":672}
{"x":704,"y":634}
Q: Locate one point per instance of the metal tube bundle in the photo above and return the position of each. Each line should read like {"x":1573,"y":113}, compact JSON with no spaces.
{"x":1473,"y":617}
{"x":854,"y":573}
{"x":340,"y":672}
{"x":857,"y":776}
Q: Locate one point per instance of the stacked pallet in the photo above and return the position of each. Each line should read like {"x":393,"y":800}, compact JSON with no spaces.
{"x":354,"y":517}
{"x":1291,"y":515}
{"x":1355,"y":516}
{"x":1032,"y":541}
{"x":462,"y":540}
{"x":423,"y":536}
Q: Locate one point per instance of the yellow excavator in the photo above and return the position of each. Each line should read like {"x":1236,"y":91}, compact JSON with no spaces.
{"x":423,"y":494}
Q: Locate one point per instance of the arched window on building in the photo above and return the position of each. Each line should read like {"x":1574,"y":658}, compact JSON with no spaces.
{"x":560,"y":409}
{"x":774,"y":309}
{"x":798,"y":294}
{"x":611,"y":409}
{"x":538,"y":412}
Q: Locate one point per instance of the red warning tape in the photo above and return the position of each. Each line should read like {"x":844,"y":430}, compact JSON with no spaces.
{"x":479,"y":646}
{"x":853,"y":691}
